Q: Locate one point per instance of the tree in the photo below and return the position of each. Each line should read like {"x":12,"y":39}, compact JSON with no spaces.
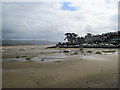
{"x":71,"y":37}
{"x":68,"y":37}
{"x":80,"y":41}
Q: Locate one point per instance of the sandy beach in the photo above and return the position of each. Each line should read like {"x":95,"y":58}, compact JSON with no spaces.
{"x":51,"y":68}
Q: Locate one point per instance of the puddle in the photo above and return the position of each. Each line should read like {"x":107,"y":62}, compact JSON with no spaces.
{"x":93,"y":58}
{"x":47,"y":59}
{"x":107,"y":53}
{"x":13,"y":59}
{"x":51,"y":57}
{"x":42,"y":58}
{"x":59,"y":57}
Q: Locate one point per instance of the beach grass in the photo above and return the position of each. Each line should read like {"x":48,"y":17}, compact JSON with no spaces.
{"x":98,"y":52}
{"x":89,"y":51}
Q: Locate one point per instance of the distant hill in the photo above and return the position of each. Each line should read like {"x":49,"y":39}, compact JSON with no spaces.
{"x":26,"y":42}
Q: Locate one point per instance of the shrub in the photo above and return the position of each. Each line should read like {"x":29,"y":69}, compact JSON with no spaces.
{"x":89,"y":51}
{"x":17,"y":57}
{"x":98,"y":52}
{"x":82,"y":51}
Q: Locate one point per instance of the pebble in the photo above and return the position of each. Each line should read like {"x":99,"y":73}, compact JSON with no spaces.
{"x":86,"y":82}
{"x":27,"y":58}
{"x":42,"y":60}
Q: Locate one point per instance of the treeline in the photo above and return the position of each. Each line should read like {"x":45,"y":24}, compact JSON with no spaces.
{"x":26,"y":42}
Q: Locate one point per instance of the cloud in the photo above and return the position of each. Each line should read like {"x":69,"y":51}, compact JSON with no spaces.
{"x":51,"y":20}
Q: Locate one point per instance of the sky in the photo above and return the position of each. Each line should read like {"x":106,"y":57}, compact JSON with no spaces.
{"x":51,"y":20}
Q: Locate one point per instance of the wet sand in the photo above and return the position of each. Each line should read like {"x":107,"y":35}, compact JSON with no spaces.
{"x":76,"y":71}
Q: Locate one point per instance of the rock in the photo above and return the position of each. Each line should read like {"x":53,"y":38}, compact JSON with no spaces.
{"x":34,"y":55}
{"x":17,"y":57}
{"x":42,"y":60}
{"x":76,"y":53}
{"x":86,"y":82}
{"x":66,"y":51}
{"x":81,"y":49}
{"x":23,"y":49}
{"x":28,"y":58}
{"x":98,"y":52}
{"x":32,"y":48}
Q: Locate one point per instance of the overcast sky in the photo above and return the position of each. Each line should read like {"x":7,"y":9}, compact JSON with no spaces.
{"x":51,"y":20}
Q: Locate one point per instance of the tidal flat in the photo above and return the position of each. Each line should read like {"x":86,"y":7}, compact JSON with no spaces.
{"x":36,"y":66}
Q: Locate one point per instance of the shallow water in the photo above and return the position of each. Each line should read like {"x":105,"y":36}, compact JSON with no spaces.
{"x":58,"y":55}
{"x":51,"y":57}
{"x":93,"y":58}
{"x":13,"y":59}
{"x":42,"y":58}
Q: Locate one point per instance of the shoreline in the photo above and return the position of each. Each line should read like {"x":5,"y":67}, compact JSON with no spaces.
{"x":85,"y":47}
{"x":54,"y":46}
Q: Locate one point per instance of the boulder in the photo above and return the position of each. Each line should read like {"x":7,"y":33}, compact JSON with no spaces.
{"x":66,"y":51}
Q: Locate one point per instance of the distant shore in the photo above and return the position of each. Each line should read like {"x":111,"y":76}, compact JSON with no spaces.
{"x":27,"y":42}
{"x":85,"y":46}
